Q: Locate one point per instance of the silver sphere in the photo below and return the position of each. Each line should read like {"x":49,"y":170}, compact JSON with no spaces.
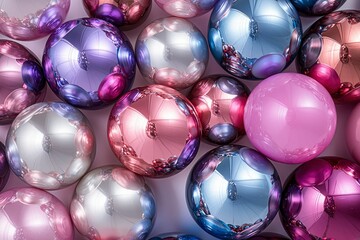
{"x":50,"y":145}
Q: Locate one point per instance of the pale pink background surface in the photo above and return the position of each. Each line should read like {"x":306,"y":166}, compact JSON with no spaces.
{"x":172,"y":212}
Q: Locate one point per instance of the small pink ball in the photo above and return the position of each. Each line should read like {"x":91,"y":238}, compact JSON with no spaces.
{"x":353,"y":133}
{"x":290,"y":118}
{"x":30,"y":213}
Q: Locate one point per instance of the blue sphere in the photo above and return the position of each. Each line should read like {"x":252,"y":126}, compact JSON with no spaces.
{"x":254,"y":39}
{"x":175,"y":236}
{"x":317,"y":7}
{"x":233,"y":192}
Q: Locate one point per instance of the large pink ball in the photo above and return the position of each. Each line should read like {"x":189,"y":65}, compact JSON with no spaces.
{"x":30,"y":213}
{"x":290,"y":118}
{"x":353,"y":133}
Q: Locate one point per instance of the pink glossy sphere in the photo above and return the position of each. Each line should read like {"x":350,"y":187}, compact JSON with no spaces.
{"x":154,"y":131}
{"x":353,"y":133}
{"x":186,"y":8}
{"x":22,"y":82}
{"x":33,"y":214}
{"x":29,"y":20}
{"x":321,"y":200}
{"x":219,"y":101}
{"x":121,"y":13}
{"x":290,"y":118}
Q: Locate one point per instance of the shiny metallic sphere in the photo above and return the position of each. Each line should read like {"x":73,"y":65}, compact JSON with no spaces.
{"x":50,"y":145}
{"x":254,"y":39}
{"x":317,"y":7}
{"x":173,"y":52}
{"x":233,"y":192}
{"x":113,"y":203}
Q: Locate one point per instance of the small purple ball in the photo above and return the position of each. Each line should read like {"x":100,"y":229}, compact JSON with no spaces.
{"x":89,"y":63}
{"x":4,"y":167}
{"x":321,"y":200}
{"x":22,"y":82}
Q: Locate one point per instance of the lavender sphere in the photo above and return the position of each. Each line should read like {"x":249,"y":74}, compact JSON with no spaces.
{"x":121,"y":13}
{"x":29,"y":20}
{"x":50,"y":145}
{"x":22,"y":82}
{"x":154,"y":131}
{"x":219,"y":102}
{"x":254,"y":39}
{"x":113,"y":203}
{"x":172,"y":52}
{"x":233,"y":192}
{"x":321,"y":200}
{"x":30,"y":213}
{"x":4,"y":167}
{"x":186,"y":8}
{"x":89,"y":63}
{"x":317,"y":7}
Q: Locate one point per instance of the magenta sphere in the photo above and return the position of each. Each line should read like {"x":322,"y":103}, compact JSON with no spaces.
{"x":353,"y":133}
{"x":186,"y":8}
{"x":219,"y":101}
{"x":89,"y":63}
{"x":154,"y":131}
{"x":4,"y":167}
{"x":290,"y":118}
{"x":121,"y":13}
{"x":321,"y":200}
{"x":22,"y":82}
{"x":30,"y":213}
{"x":29,"y":20}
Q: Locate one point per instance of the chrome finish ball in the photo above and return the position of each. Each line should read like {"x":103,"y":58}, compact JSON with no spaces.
{"x":89,"y":63}
{"x":321,"y":199}
{"x":254,"y":39}
{"x":30,"y":20}
{"x":317,"y":7}
{"x":233,"y":192}
{"x":154,"y":131}
{"x":22,"y":82}
{"x":186,"y":8}
{"x":113,"y":203}
{"x":219,"y":102}
{"x":30,"y":213}
{"x":172,"y":52}
{"x":50,"y":145}
{"x":330,"y":52}
{"x":121,"y":13}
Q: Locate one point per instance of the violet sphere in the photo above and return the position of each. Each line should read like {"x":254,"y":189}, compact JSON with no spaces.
{"x":254,"y":39}
{"x":113,"y":203}
{"x":22,"y":82}
{"x":290,"y":118}
{"x":4,"y":167}
{"x":233,"y":192}
{"x":154,"y":131}
{"x":172,"y":52}
{"x":321,"y":200}
{"x":89,"y":63}
{"x":29,"y":20}
{"x":186,"y":8}
{"x":30,"y":213}
{"x":121,"y":13}
{"x":50,"y":145}
{"x":317,"y":7}
{"x":219,"y":101}
{"x":353,"y":133}
{"x":330,"y":52}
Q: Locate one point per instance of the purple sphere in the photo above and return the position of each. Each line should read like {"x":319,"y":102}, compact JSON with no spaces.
{"x":89,"y":63}
{"x":219,"y":101}
{"x":4,"y":167}
{"x":34,"y":19}
{"x":352,"y":133}
{"x":321,"y":200}
{"x":30,"y":213}
{"x":22,"y":81}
